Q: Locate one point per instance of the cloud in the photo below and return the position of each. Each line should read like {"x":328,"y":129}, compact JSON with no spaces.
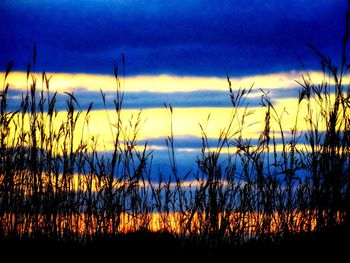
{"x":63,"y":82}
{"x":202,"y":38}
{"x":147,"y":92}
{"x":146,"y":100}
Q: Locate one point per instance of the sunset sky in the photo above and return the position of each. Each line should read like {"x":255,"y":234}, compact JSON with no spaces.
{"x":176,"y":52}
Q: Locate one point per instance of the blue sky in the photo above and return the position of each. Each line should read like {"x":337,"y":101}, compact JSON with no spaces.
{"x":197,"y":38}
{"x":177,"y":52}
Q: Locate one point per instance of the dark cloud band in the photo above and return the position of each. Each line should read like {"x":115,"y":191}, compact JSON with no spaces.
{"x":145,"y":100}
{"x":199,"y":38}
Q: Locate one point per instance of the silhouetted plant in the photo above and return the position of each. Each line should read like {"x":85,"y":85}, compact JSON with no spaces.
{"x":54,"y":183}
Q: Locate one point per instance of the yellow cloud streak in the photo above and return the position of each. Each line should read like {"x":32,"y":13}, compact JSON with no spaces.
{"x":61,"y":82}
{"x":155,"y":123}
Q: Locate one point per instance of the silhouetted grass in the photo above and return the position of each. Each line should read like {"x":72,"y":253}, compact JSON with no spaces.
{"x":55,"y":186}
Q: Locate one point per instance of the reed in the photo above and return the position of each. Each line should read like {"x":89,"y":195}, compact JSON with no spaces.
{"x":54,"y":183}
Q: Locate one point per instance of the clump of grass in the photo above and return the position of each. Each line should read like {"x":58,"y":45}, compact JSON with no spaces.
{"x":53,"y":184}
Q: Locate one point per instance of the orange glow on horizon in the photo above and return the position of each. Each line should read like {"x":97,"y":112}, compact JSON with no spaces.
{"x":246,"y":224}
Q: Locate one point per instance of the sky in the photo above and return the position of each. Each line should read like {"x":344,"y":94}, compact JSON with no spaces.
{"x":188,"y":37}
{"x":176,"y":52}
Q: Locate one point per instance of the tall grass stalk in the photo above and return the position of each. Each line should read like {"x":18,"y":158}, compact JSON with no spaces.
{"x":54,"y":183}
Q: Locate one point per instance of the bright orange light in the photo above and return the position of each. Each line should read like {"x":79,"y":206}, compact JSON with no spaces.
{"x":247,"y":224}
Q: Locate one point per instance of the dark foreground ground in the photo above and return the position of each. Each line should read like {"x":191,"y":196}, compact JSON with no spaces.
{"x":332,"y":245}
